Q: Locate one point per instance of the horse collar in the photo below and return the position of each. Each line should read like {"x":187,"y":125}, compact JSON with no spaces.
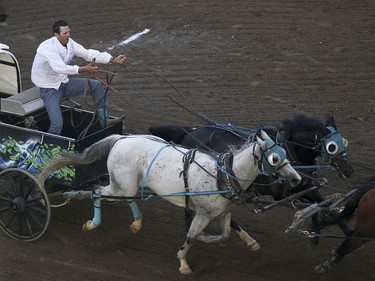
{"x":226,"y":179}
{"x":187,"y":159}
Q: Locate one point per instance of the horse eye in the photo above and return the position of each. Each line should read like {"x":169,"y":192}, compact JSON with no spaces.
{"x":332,"y":147}
{"x":274,"y":159}
{"x":345,"y":141}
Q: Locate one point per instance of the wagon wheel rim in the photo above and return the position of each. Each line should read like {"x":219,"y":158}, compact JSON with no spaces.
{"x":24,"y":205}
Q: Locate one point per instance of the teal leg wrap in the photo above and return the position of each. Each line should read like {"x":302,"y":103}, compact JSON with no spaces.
{"x":137,"y":214}
{"x":97,"y":213}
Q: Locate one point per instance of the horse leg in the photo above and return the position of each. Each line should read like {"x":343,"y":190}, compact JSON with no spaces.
{"x":198,"y":224}
{"x":314,"y":241}
{"x":136,"y":225}
{"x":332,"y":262}
{"x":346,"y":247}
{"x":225,"y":226}
{"x":97,"y":219}
{"x":315,"y":196}
{"x":250,"y":242}
{"x":345,"y":228}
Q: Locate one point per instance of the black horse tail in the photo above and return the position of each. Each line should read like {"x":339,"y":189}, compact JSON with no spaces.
{"x":98,"y":152}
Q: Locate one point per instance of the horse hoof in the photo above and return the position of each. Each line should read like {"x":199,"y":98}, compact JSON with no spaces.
{"x":313,"y":242}
{"x":185,"y":270}
{"x":320,"y":269}
{"x":254,"y":246}
{"x":136,"y":226}
{"x":89,"y":225}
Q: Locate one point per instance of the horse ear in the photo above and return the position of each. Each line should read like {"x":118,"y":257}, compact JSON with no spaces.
{"x":264,"y":135}
{"x":331,"y":121}
{"x":261,"y":142}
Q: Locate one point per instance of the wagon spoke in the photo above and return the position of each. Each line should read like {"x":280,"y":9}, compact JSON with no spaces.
{"x":36,"y":209}
{"x":12,"y":183}
{"x":36,"y":198}
{"x":20,"y":232}
{"x":35,"y":219}
{"x":29,"y":226}
{"x":4,"y":209}
{"x":10,"y":220}
{"x":29,"y":192}
{"x":22,"y":189}
{"x":9,"y":192}
{"x":2,"y":198}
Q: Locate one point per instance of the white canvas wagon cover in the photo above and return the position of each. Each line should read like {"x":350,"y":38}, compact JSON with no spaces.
{"x":13,"y":99}
{"x":10,"y":75}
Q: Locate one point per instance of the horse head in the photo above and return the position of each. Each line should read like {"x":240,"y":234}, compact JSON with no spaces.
{"x":333,"y":149}
{"x":306,"y":138}
{"x":274,"y":161}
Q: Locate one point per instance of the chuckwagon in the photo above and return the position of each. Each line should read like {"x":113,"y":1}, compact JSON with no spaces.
{"x":27,"y":151}
{"x":25,"y":146}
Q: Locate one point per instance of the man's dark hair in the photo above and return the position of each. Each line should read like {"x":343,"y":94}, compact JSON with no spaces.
{"x":57,"y":24}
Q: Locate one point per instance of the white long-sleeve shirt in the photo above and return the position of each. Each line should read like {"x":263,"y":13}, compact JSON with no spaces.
{"x":51,"y":63}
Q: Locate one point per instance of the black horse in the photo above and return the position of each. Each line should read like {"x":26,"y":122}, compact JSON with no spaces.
{"x":304,"y":139}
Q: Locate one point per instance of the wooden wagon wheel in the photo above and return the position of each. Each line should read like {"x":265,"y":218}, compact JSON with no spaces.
{"x":24,"y":205}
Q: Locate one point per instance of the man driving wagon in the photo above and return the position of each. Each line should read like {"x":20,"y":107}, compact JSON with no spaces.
{"x":51,"y":68}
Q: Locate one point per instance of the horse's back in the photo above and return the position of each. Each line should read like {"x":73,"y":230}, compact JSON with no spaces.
{"x":213,"y":138}
{"x":352,"y":205}
{"x":135,"y":144}
{"x":145,"y":150}
{"x":170,"y":133}
{"x":133,"y":156}
{"x":208,"y":137}
{"x":144,"y":160}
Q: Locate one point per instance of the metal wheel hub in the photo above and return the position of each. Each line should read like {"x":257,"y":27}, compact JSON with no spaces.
{"x":18,"y":205}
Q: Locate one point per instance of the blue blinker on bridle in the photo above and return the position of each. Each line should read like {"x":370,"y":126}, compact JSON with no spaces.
{"x":273,"y":158}
{"x":332,"y":145}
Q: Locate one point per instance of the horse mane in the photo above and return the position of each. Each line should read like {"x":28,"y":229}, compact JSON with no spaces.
{"x":235,"y":149}
{"x":303,"y":123}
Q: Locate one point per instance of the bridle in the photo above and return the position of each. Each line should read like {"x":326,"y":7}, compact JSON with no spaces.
{"x":332,"y":145}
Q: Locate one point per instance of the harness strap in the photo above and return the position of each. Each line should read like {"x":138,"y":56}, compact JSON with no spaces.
{"x":226,"y":179}
{"x":314,"y":234}
{"x":144,"y":179}
{"x":187,"y":159}
{"x":281,"y":140}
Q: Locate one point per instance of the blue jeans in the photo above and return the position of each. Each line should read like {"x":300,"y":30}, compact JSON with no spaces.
{"x":52,"y":99}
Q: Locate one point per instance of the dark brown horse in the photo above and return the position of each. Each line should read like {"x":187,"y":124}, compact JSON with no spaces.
{"x":363,"y":201}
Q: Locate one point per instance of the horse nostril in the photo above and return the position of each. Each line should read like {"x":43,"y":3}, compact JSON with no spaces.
{"x":295,"y":181}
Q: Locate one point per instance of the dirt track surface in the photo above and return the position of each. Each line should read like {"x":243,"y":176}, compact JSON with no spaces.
{"x":249,"y":63}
